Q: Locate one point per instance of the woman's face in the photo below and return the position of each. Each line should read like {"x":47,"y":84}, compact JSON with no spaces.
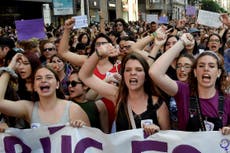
{"x":214,"y":43}
{"x":57,"y":64}
{"x":134,"y":75}
{"x":75,"y":86}
{"x":45,"y":83}
{"x":207,"y":71}
{"x":119,"y":27}
{"x":100,"y":41}
{"x":84,"y":39}
{"x":124,"y":48}
{"x":189,"y":48}
{"x":171,"y":41}
{"x":183,"y":68}
{"x":24,"y":68}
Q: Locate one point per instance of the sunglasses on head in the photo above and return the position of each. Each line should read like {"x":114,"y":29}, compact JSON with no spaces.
{"x":73,"y":83}
{"x":48,"y":49}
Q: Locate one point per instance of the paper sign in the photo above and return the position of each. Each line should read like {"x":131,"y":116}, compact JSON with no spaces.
{"x":63,"y":7}
{"x":27,"y":29}
{"x":208,"y":18}
{"x":190,"y":10}
{"x":163,"y":20}
{"x":151,"y":17}
{"x":80,"y":21}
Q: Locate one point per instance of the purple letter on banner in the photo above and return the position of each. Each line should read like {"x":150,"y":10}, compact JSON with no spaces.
{"x":185,"y":148}
{"x":141,"y":146}
{"x":9,"y":143}
{"x":27,"y":29}
{"x":86,"y":143}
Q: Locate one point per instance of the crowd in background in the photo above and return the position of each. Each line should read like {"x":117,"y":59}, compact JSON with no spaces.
{"x":117,"y":76}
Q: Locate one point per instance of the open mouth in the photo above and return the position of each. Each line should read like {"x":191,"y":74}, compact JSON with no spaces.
{"x":133,"y":81}
{"x":44,"y":88}
{"x":206,"y":77}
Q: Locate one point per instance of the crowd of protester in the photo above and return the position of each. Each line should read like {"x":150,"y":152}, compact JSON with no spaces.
{"x":118,"y":76}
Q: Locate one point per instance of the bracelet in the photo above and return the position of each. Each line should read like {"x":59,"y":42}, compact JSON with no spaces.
{"x":8,"y":70}
{"x":153,"y":58}
{"x":98,"y":55}
{"x":154,"y":34}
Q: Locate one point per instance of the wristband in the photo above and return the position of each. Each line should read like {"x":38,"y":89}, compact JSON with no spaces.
{"x":10,"y":71}
{"x":153,"y":58}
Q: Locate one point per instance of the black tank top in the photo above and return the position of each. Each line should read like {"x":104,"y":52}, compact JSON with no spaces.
{"x":123,"y":123}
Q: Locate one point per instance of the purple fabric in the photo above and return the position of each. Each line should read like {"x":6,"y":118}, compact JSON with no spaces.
{"x":209,"y":107}
{"x":27,"y":29}
{"x":190,"y":10}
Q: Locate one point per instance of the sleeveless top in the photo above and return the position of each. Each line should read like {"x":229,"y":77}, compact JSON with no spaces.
{"x":123,"y":123}
{"x":108,"y":103}
{"x":92,"y":112}
{"x":36,"y":122}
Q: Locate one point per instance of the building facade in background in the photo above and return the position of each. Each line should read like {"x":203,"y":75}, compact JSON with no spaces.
{"x":57,"y":11}
{"x":225,"y":4}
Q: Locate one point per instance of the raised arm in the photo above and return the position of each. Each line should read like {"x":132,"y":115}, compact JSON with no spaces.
{"x":102,"y":22}
{"x":86,"y":73}
{"x":63,"y":49}
{"x":160,"y":37}
{"x":9,"y":107}
{"x":225,"y":19}
{"x":158,"y":70}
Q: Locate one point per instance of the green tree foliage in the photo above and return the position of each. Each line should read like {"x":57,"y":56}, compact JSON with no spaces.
{"x":210,"y":5}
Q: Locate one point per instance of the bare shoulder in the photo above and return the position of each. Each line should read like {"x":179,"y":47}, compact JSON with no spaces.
{"x":73,"y":106}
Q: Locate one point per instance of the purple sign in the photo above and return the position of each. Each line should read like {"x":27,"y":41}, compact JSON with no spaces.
{"x":163,"y":20}
{"x":27,"y":29}
{"x":190,"y":10}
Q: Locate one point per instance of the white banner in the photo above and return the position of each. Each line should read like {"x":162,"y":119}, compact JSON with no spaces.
{"x":210,"y":19}
{"x":65,"y":139}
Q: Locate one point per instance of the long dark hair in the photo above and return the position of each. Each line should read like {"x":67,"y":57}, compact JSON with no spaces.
{"x":123,"y":92}
{"x":34,"y":63}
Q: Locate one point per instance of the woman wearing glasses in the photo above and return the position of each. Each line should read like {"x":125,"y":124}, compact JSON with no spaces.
{"x":214,"y":43}
{"x":96,"y":110}
{"x":104,"y":67}
{"x":203,"y":103}
{"x":47,"y":107}
{"x":121,"y":27}
{"x":183,"y":68}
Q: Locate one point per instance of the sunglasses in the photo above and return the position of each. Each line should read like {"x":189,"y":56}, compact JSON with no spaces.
{"x":48,"y":49}
{"x":73,"y":83}
{"x":97,"y":44}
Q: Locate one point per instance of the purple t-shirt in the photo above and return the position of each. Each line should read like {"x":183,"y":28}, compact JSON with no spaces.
{"x":209,"y":107}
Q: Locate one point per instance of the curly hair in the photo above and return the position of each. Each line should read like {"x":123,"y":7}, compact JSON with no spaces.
{"x":222,"y":84}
